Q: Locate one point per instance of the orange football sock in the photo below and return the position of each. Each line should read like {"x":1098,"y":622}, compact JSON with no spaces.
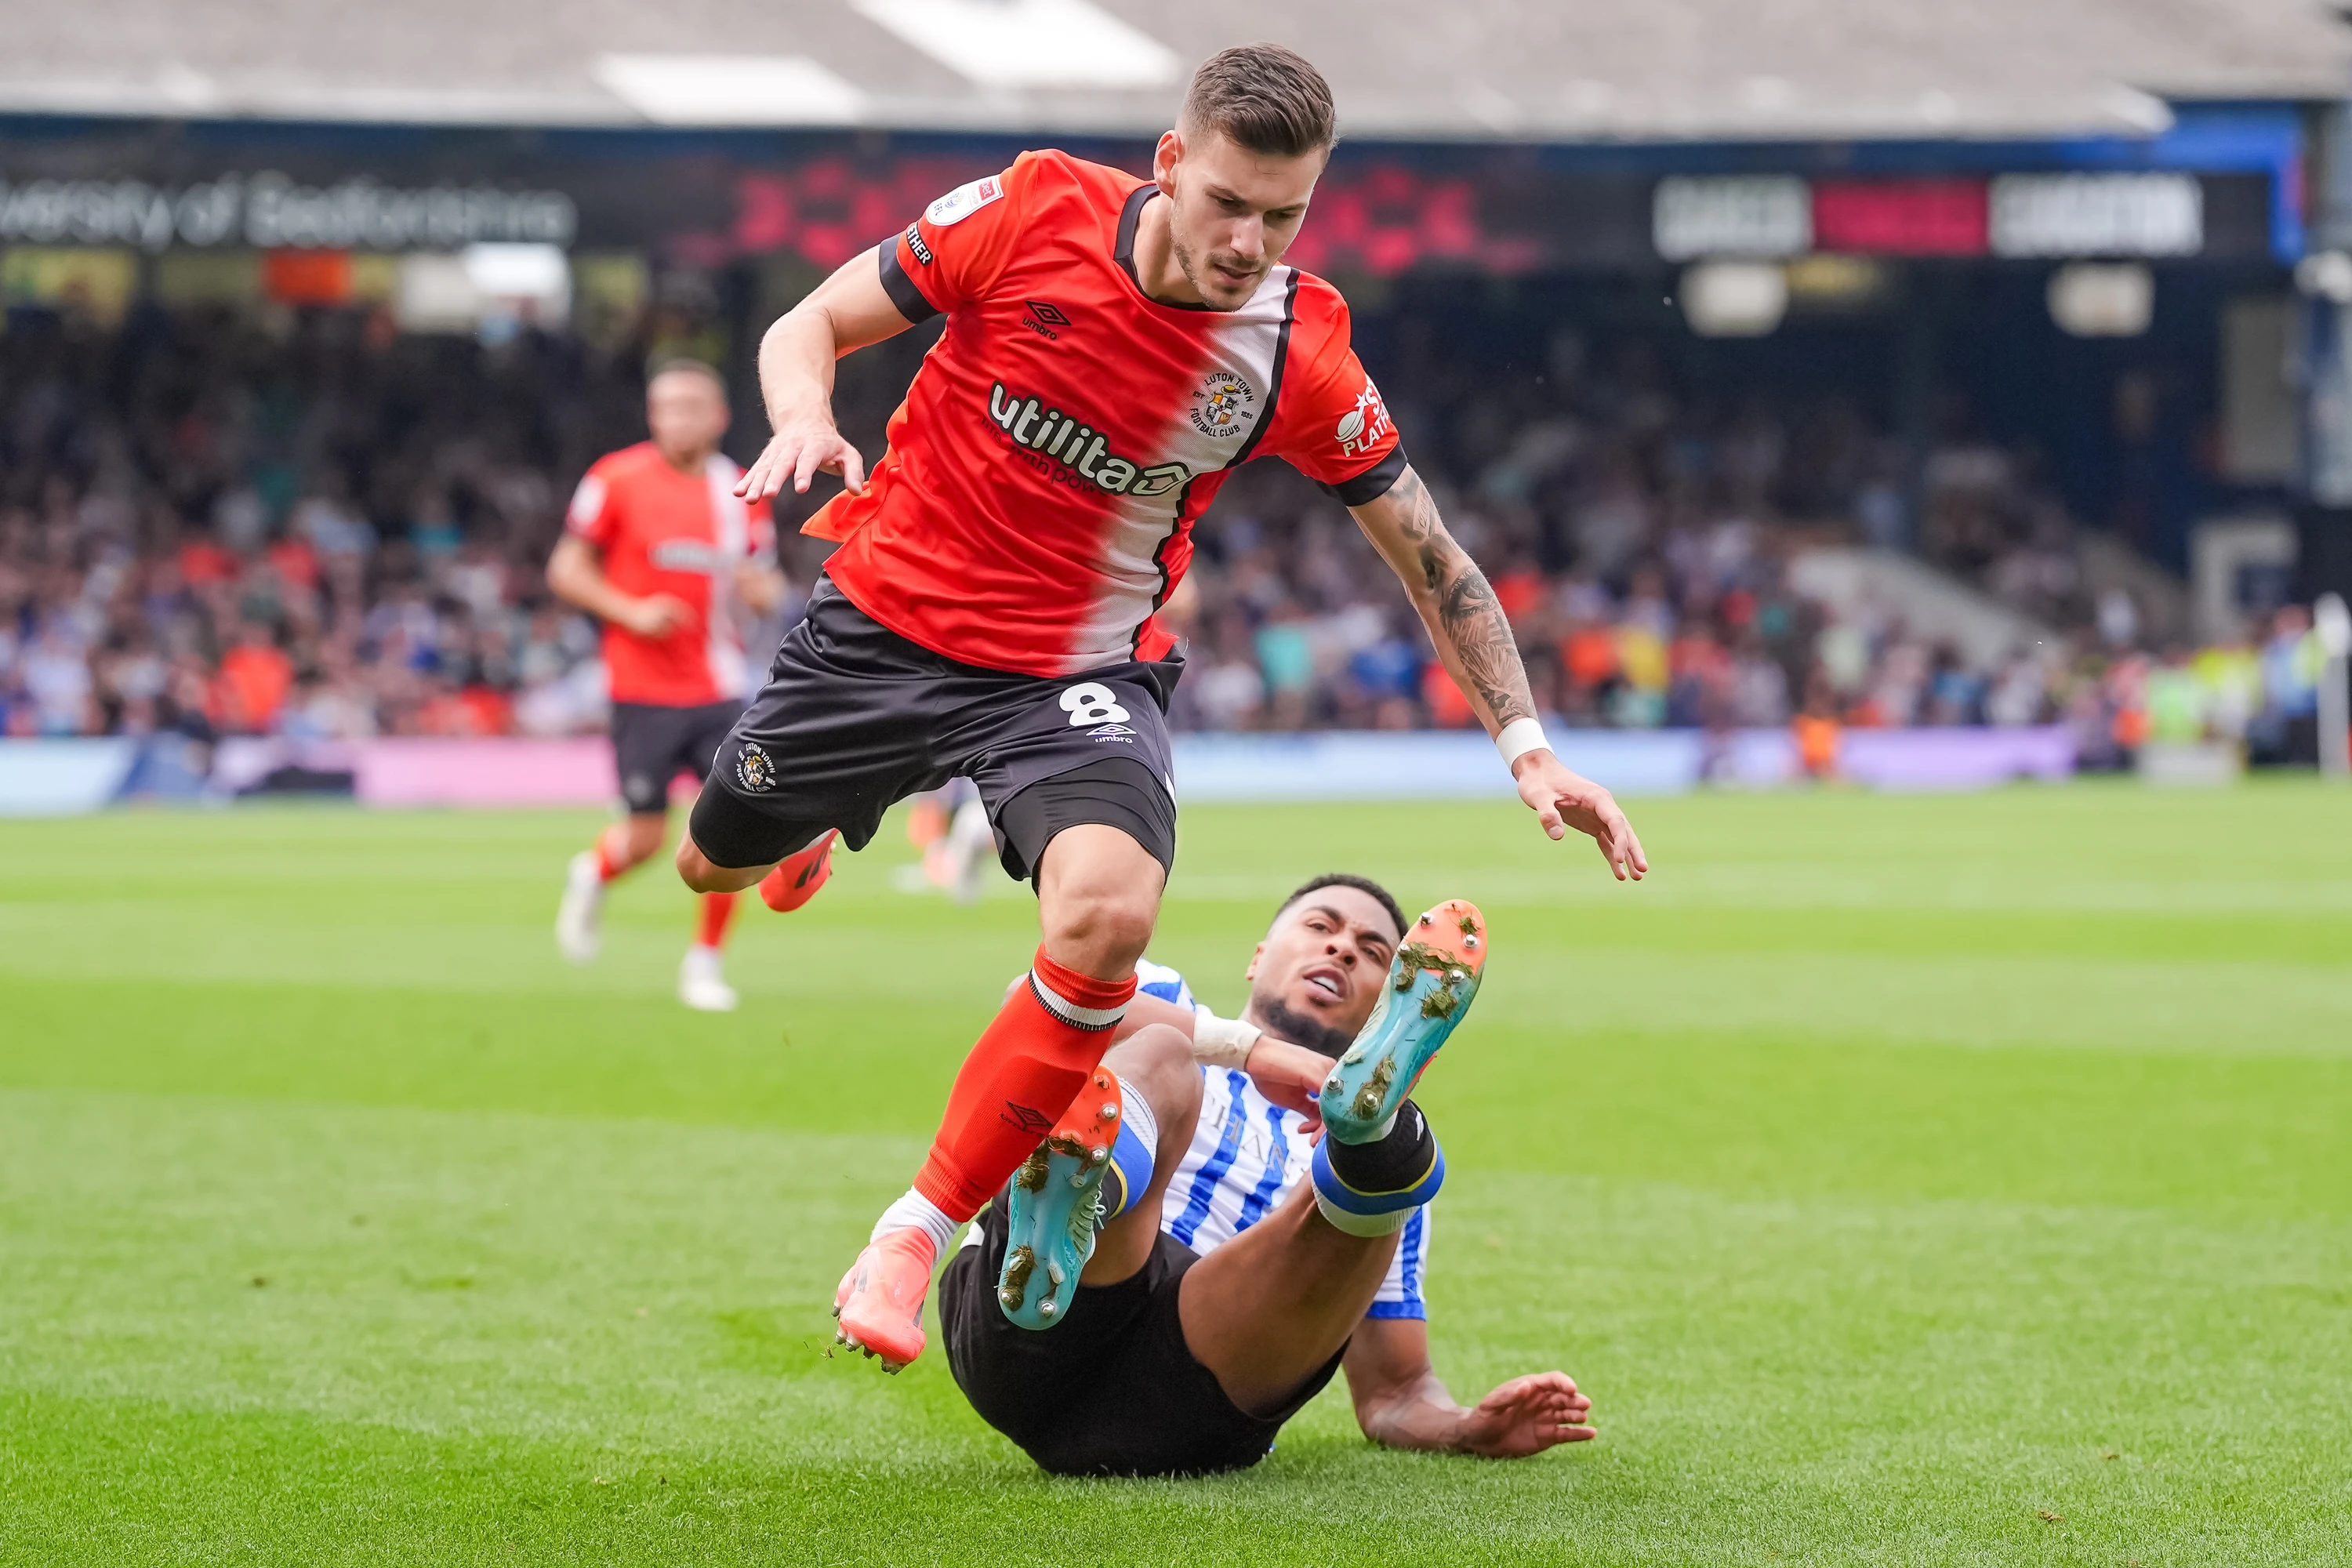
{"x":1029,"y":1065}
{"x":718,"y":912}
{"x":798,"y":875}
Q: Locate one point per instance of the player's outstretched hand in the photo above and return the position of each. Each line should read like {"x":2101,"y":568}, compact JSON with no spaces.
{"x":800,"y":450}
{"x":1290,"y":1077}
{"x":1562,"y":799}
{"x":1526,"y":1416}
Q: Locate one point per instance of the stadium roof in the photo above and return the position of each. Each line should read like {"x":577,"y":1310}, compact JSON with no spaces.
{"x":1519,"y":69}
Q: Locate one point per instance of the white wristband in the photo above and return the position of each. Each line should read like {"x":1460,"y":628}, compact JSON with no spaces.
{"x":1520,"y":737}
{"x":1222,"y":1042}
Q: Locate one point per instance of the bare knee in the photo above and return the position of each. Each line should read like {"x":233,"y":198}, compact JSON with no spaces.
{"x":694,"y":870}
{"x":1158,"y":1063}
{"x":1097,"y":899}
{"x":1101,"y":934}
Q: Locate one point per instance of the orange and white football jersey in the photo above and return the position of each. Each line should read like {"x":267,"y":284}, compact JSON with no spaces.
{"x":1037,"y":503}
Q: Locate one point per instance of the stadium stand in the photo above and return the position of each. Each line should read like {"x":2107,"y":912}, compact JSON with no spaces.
{"x":305,"y":523}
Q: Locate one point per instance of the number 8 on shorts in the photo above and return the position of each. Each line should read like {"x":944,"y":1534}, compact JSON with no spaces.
{"x":1092,"y":702}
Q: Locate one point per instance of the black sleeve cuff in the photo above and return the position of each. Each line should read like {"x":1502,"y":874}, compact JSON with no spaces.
{"x":1373,"y":482}
{"x":901,"y":288}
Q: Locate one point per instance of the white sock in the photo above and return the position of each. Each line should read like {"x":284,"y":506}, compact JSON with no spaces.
{"x":920,"y":1213}
{"x":1135,"y":1111}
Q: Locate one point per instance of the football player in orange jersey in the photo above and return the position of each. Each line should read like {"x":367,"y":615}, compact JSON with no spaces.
{"x":659,"y":546}
{"x":1114,"y":349}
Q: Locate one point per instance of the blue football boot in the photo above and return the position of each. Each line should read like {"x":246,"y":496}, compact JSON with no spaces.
{"x":1056,"y":1206}
{"x":1430,"y":982}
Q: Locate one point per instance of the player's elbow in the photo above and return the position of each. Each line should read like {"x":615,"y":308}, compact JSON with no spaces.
{"x":780,"y":331}
{"x":809,"y":326}
{"x":1380,"y":1419}
{"x":563,"y":571}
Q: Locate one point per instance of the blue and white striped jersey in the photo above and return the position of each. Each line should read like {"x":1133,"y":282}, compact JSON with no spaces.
{"x":1247,"y":1154}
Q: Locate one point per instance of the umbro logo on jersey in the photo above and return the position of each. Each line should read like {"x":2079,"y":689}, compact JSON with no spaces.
{"x":1043,"y":318}
{"x":1077,"y":447}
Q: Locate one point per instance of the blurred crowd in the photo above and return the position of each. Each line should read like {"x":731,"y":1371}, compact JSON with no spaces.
{"x":1642,"y":543}
{"x":308,"y":524}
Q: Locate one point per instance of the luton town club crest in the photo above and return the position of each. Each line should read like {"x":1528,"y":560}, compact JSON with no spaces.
{"x":1221,"y":407}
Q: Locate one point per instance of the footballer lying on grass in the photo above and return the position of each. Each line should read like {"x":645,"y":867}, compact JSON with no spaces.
{"x":1209,"y":1258}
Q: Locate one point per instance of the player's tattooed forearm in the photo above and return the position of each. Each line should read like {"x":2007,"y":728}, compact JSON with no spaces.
{"x":1481,"y":634}
{"x":1467,"y":611}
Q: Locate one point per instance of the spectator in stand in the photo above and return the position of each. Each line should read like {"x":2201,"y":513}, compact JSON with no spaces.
{"x":57,"y":681}
{"x":2179,"y":707}
{"x":255,"y":678}
{"x":1818,"y":733}
{"x":2286,"y":729}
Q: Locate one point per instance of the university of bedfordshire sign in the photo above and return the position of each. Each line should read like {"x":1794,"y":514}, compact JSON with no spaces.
{"x":270,"y":210}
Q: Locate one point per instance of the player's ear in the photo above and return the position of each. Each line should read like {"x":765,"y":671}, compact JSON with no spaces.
{"x":1256,"y":953}
{"x":1164,"y":159}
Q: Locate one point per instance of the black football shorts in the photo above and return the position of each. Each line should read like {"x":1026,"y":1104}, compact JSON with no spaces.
{"x":1112,"y":1389}
{"x":856,"y":717}
{"x":653,"y":744}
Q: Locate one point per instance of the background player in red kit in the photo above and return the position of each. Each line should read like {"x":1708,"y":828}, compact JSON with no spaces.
{"x":1114,"y":349}
{"x":661,"y":548}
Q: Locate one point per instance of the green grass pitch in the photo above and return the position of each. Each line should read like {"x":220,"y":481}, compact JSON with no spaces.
{"x":1910,"y":1180}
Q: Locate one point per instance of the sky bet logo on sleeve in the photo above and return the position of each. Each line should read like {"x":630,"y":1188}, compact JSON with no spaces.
{"x":1078,"y":448}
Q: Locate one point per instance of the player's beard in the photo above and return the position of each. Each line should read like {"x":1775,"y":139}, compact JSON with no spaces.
{"x":1189,"y":264}
{"x":1283,"y":1022}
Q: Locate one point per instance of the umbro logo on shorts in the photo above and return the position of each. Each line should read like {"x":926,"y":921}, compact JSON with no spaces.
{"x":1104,"y":732}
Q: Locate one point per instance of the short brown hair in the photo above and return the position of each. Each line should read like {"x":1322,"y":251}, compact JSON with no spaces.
{"x":1264,"y":97}
{"x":686,"y":365}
